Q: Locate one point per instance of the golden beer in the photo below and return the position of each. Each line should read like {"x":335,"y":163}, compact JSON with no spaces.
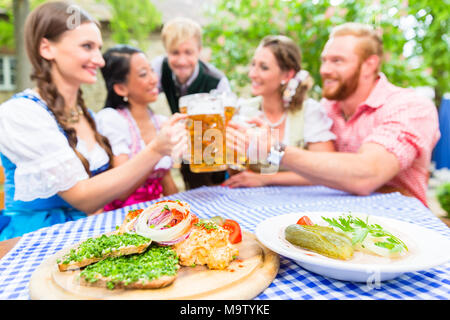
{"x":229,"y":102}
{"x":245,"y":110}
{"x":183,"y":109}
{"x":207,"y":132}
{"x":236,"y":160}
{"x":229,"y":113}
{"x":183,"y":103}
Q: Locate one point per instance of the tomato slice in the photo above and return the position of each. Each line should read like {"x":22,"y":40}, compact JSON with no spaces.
{"x":305,"y":221}
{"x":177,"y":217}
{"x":194,"y":219}
{"x":235,"y":230}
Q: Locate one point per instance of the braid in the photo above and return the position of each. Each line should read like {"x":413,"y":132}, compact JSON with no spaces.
{"x":55,"y":103}
{"x":101,"y":140}
{"x":49,"y":21}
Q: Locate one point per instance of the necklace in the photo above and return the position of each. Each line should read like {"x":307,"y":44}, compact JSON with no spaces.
{"x":275,"y":124}
{"x":74,"y":115}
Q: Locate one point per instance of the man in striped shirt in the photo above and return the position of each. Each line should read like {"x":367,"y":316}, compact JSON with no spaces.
{"x":385,"y":134}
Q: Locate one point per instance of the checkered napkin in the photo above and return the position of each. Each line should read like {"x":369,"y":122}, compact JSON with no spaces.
{"x":250,"y":206}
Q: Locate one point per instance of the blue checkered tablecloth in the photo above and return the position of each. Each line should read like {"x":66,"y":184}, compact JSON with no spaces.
{"x":251,"y":206}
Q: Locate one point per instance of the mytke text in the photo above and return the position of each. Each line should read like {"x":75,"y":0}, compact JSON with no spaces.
{"x":227,"y":309}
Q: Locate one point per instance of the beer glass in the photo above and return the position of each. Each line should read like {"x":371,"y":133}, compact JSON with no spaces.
{"x":229,"y":101}
{"x":246,"y":110}
{"x":183,"y":103}
{"x":182,"y":106}
{"x":207,"y":132}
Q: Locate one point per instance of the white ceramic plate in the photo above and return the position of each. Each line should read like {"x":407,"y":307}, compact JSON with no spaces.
{"x":426,"y":249}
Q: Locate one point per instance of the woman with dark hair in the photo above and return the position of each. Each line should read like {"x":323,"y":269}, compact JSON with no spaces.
{"x":280,"y":87}
{"x":54,"y":158}
{"x":128,"y":122}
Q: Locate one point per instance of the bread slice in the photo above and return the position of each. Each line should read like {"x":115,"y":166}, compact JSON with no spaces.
{"x":73,"y":265}
{"x":104,"y":282}
{"x":99,"y":248}
{"x":157,"y":267}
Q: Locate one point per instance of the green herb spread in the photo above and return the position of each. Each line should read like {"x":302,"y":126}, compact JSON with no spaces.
{"x":100,"y":246}
{"x":155,"y":262}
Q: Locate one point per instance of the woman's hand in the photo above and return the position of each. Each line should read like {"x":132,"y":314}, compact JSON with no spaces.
{"x":245,"y":179}
{"x":254,"y":140}
{"x":172,"y":138}
{"x":237,"y":138}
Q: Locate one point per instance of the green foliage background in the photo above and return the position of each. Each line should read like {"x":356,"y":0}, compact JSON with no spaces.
{"x":443,"y":196}
{"x":132,"y":21}
{"x":239,"y":25}
{"x":7,"y":26}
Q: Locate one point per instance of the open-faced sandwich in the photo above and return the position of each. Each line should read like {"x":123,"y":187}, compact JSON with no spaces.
{"x":148,"y":248}
{"x":197,"y":242}
{"x":96,"y":249}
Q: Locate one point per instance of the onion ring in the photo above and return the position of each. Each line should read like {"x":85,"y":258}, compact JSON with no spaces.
{"x":161,"y":222}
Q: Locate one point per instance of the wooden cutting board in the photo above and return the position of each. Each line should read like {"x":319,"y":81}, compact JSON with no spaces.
{"x":246,"y":277}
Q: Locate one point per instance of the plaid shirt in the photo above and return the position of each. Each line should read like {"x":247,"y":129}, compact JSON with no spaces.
{"x":403,"y":122}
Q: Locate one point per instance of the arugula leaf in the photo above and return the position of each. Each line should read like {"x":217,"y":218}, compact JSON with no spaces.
{"x":393,"y":247}
{"x":359,"y":235}
{"x":359,"y":229}
{"x":342,"y":224}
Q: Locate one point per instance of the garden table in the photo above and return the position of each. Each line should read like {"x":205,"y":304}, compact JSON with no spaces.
{"x":250,"y":206}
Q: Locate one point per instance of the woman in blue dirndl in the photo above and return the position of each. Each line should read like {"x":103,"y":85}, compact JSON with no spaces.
{"x":57,"y":165}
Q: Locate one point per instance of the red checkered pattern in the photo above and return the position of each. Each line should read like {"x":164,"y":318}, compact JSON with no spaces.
{"x":403,"y":122}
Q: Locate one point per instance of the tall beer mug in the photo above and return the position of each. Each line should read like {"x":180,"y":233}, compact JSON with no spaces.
{"x":207,"y":132}
{"x":247,"y":109}
{"x":182,"y":106}
{"x":229,"y":102}
{"x":183,"y":103}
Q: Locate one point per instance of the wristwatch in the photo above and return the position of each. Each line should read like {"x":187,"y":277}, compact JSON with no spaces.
{"x":276,"y":154}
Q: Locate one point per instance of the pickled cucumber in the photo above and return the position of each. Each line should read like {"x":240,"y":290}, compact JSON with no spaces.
{"x":323,"y":240}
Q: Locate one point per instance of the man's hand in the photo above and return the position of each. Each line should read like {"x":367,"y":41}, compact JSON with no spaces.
{"x":245,"y":179}
{"x":254,"y":140}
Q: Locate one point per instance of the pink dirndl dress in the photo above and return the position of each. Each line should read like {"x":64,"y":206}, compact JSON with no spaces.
{"x":152,"y":187}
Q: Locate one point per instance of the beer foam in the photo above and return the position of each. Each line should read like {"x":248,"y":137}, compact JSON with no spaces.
{"x":206,"y":106}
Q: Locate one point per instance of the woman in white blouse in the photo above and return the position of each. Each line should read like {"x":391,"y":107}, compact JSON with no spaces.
{"x":280,"y":87}
{"x":129,"y":123}
{"x":54,"y":158}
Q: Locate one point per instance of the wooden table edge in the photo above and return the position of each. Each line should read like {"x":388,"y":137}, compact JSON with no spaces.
{"x":7,"y":245}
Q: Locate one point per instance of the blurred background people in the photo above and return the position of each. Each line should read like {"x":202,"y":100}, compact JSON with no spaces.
{"x":57,"y":165}
{"x":281,"y":87}
{"x":181,"y":72}
{"x":384,"y":134}
{"x":128,"y":122}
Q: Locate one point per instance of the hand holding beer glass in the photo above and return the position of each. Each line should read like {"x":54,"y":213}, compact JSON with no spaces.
{"x":172,"y":139}
{"x":210,"y":147}
{"x":242,"y":135}
{"x":183,"y":106}
{"x":206,"y":127}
